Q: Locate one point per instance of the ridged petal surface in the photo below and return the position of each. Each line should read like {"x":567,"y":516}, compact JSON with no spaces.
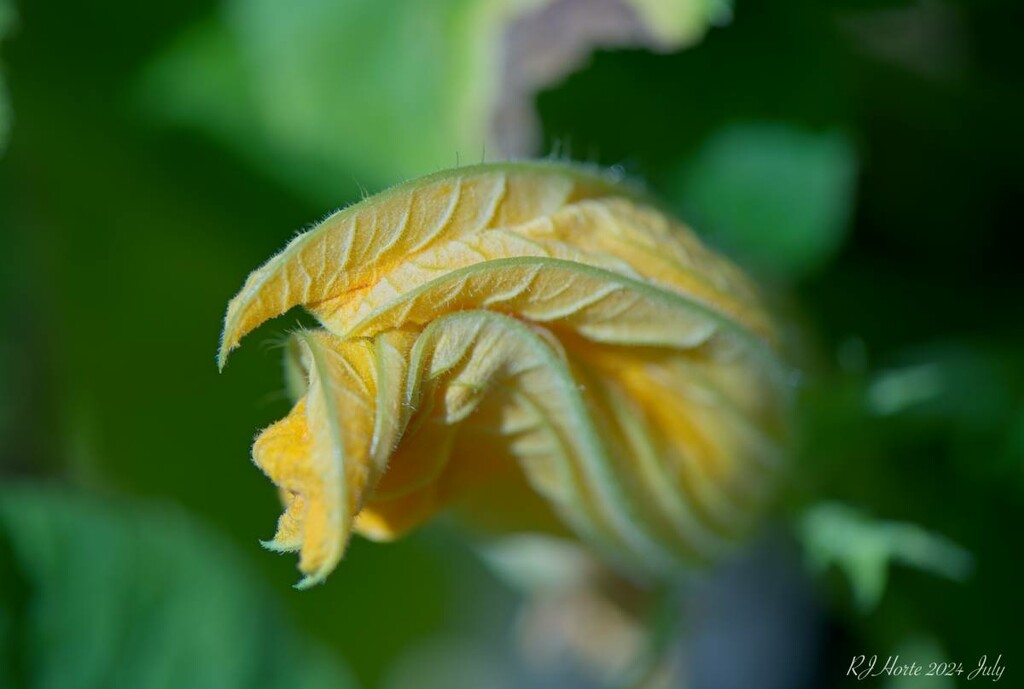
{"x":532,"y":345}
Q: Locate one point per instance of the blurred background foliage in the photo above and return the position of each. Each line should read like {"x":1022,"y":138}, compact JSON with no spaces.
{"x":864,"y":157}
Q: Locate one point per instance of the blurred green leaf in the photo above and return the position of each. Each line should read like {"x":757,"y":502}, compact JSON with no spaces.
{"x":128,"y":595}
{"x":967,"y":395}
{"x":863,"y":548}
{"x":328,"y":89}
{"x":318,"y":91}
{"x":777,"y":195}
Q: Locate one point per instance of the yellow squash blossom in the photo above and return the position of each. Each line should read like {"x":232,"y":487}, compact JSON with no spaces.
{"x":531,"y":344}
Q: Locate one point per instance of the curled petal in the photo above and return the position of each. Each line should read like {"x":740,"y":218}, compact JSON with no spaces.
{"x":532,"y":346}
{"x":346,"y":252}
